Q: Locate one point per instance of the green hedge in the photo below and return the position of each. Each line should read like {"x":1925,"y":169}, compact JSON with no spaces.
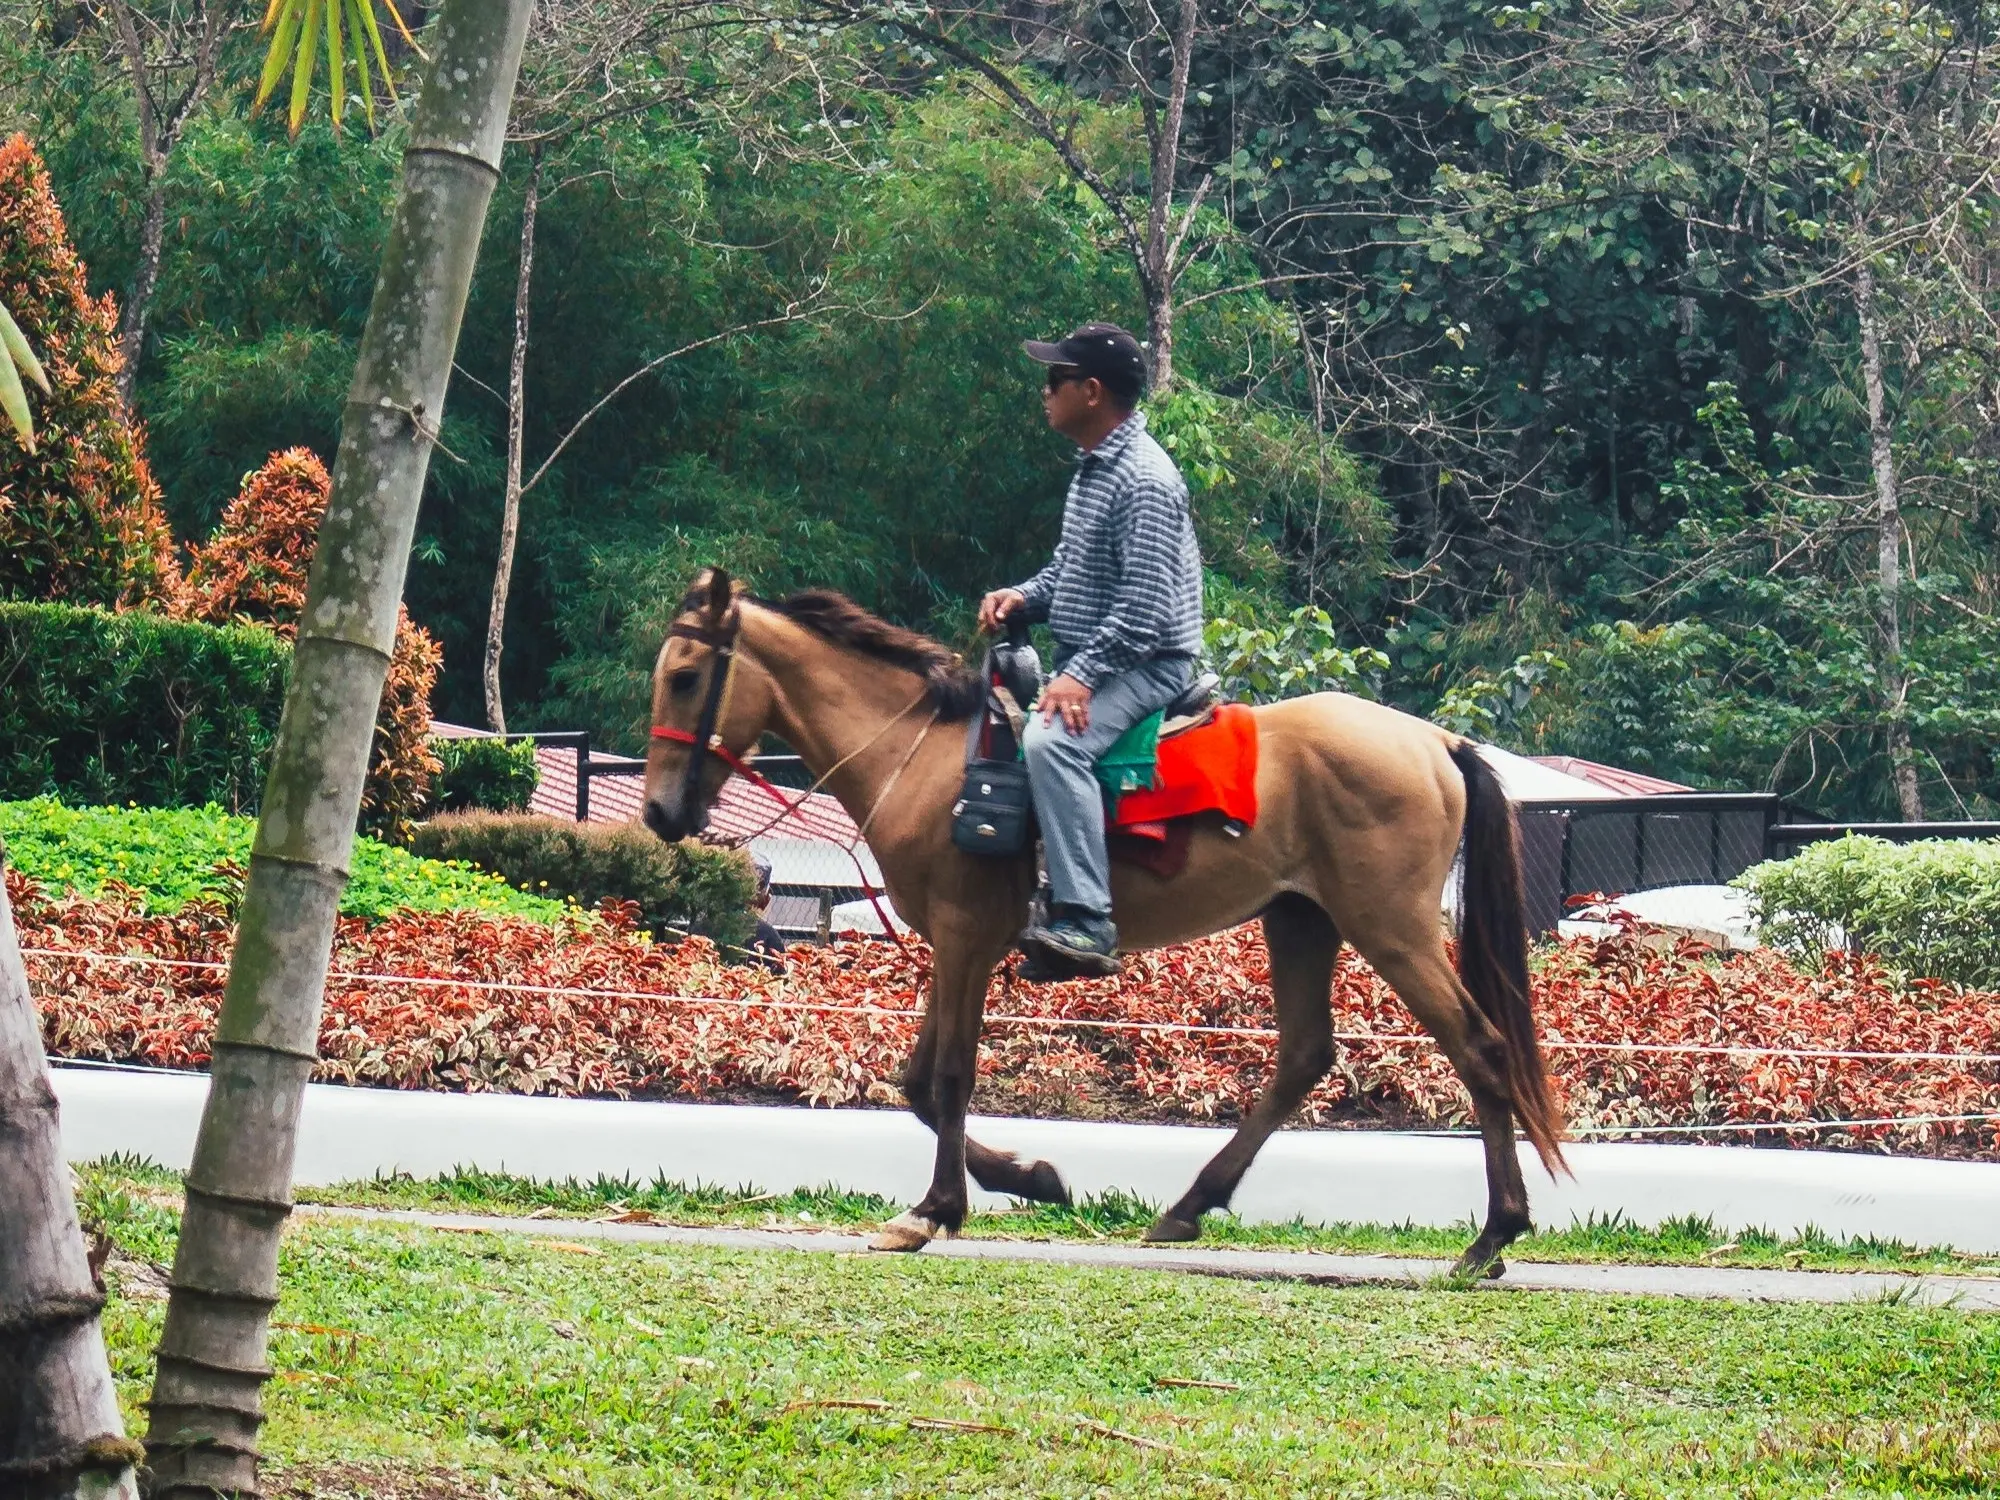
{"x":98,"y":707}
{"x":684,"y":885}
{"x":1930,"y":909}
{"x":490,"y":774}
{"x":178,"y":854}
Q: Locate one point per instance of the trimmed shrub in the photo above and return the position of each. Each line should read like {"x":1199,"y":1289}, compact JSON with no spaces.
{"x":80,"y":517}
{"x":1930,"y":908}
{"x":171,"y":856}
{"x":134,"y":707}
{"x":492,"y":775}
{"x":685,"y":885}
{"x":254,"y":567}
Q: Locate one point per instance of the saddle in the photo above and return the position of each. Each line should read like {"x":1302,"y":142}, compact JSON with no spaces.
{"x":1148,"y":819}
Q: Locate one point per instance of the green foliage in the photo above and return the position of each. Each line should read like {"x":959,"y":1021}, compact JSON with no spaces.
{"x":904,"y":459}
{"x":1655,"y":698}
{"x":1262,"y":664}
{"x":684,"y":885}
{"x":1925,"y":908}
{"x":494,"y":775}
{"x":1279,"y":507}
{"x":132,"y":707}
{"x":347,"y":29}
{"x":1489,"y":707}
{"x":172,"y":856}
{"x":1768,"y":672}
{"x":1591,"y":364}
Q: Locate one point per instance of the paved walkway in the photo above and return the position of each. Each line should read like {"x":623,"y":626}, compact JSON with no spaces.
{"x":1720,"y":1283}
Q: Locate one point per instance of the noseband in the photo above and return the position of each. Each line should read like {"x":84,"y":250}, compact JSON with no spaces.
{"x":704,"y":741}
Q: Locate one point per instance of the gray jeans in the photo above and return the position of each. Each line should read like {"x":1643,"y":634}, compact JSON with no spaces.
{"x":1069,"y":804}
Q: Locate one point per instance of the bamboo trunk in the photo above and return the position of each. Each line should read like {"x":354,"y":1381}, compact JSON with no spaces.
{"x":1888,"y":557}
{"x":206,"y":1408}
{"x":517,"y":408}
{"x":60,"y":1432}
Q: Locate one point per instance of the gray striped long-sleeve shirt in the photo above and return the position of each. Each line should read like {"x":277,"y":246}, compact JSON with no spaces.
{"x":1125,"y":583}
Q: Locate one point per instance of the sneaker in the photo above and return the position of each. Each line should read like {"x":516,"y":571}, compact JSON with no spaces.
{"x":1074,"y":945}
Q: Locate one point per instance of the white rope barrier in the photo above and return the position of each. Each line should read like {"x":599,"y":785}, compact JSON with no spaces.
{"x":1739,"y":1127}
{"x":1573,"y":1133}
{"x":557,"y":991}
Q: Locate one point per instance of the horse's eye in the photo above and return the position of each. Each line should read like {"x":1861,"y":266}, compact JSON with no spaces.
{"x":683,"y":682}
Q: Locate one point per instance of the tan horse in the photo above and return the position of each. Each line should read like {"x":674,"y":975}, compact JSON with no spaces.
{"x":1361,"y":813}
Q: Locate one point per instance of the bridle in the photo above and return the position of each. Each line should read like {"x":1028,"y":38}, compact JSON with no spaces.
{"x":704,"y":740}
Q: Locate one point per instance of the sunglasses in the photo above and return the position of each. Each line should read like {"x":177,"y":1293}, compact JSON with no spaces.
{"x":1058,"y":374}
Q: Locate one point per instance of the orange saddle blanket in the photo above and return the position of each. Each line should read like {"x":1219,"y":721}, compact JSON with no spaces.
{"x":1210,"y":769}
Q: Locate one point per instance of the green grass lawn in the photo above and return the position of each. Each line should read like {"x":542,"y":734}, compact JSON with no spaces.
{"x":415,"y":1362}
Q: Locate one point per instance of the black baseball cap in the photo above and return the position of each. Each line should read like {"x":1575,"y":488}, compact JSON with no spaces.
{"x":1100,"y":350}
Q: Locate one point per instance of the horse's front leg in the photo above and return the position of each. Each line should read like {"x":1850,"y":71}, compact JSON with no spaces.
{"x":996,"y":1171}
{"x":939,"y":1084}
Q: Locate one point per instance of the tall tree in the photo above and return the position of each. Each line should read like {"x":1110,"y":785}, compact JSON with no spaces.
{"x":170,"y":51}
{"x":60,"y":1432}
{"x":1888,"y":554}
{"x":206,"y":1409}
{"x":589,"y":68}
{"x":1111,"y":56}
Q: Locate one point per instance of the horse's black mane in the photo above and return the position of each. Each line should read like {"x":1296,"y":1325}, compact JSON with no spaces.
{"x":954,"y":688}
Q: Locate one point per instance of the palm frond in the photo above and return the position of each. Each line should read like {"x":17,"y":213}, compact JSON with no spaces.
{"x":350,"y":32}
{"x":15,"y":358}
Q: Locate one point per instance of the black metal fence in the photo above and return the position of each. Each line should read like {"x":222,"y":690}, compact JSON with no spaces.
{"x":1620,"y":845}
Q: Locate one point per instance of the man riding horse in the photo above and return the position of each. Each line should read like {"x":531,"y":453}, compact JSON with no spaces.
{"x":1363,"y":816}
{"x":1122,"y":596}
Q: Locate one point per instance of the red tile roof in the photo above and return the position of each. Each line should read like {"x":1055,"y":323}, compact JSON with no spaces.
{"x":740,"y":809}
{"x":1616,"y":778}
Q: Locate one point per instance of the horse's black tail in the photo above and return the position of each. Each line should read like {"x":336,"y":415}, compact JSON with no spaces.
{"x":1493,"y":948}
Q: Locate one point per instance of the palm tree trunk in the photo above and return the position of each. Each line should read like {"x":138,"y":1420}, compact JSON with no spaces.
{"x":1888,"y":558}
{"x":206,"y":1408}
{"x":517,"y":396}
{"x":60,"y":1433}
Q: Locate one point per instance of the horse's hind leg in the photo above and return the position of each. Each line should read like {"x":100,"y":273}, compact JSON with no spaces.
{"x":1303,"y":943}
{"x":996,"y":1171}
{"x":1422,"y":976}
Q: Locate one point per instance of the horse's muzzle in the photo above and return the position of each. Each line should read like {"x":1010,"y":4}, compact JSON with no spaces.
{"x":671,"y":823}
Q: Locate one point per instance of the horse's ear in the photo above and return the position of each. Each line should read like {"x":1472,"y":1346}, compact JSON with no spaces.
{"x":720,"y":592}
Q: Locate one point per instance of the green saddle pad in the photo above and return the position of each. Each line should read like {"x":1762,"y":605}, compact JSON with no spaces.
{"x":1128,"y":766}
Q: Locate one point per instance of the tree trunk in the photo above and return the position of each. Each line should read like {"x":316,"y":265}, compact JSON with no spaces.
{"x":160,"y":126}
{"x":1888,"y":558}
{"x":206,"y":1408}
{"x":60,"y":1433}
{"x":510,"y":510}
{"x":1160,"y":335}
{"x":139,"y":301}
{"x":1160,"y":271}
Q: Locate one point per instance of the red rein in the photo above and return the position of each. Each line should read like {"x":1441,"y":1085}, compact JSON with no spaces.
{"x":757,"y":778}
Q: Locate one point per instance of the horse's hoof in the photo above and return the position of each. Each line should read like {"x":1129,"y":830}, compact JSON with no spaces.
{"x":905,"y":1234}
{"x":1045,"y":1185}
{"x":1168,"y":1230}
{"x":1479,"y":1267}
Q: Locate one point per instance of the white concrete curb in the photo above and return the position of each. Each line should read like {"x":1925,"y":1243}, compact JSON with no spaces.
{"x":1319,"y":1176}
